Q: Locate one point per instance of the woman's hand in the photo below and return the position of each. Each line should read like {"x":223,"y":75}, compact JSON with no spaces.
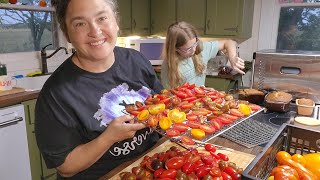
{"x":237,"y":64}
{"x":122,"y":128}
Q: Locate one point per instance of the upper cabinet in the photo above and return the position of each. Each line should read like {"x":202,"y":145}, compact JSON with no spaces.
{"x":163,"y":13}
{"x":134,"y":17}
{"x":229,"y":18}
{"x":211,"y":18}
{"x":193,"y":12}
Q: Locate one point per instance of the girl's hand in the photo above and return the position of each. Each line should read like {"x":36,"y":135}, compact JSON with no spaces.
{"x":122,"y":128}
{"x":237,"y":64}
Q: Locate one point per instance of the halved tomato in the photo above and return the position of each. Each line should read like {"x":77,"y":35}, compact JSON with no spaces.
{"x":198,"y":133}
{"x":207,"y":129}
{"x":229,"y":116}
{"x":187,"y":140}
{"x":172,"y":132}
{"x":199,"y":91}
{"x":254,"y":107}
{"x":236,"y":112}
{"x":180,"y":127}
{"x":193,"y":124}
{"x":192,"y":117}
{"x":216,"y":123}
{"x":224,"y":120}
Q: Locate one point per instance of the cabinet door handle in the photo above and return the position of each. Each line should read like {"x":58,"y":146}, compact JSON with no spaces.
{"x":134,"y":24}
{"x":208,"y":24}
{"x":152,"y":24}
{"x":10,"y":122}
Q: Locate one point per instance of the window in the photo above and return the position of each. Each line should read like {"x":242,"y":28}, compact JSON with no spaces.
{"x":25,"y":28}
{"x":299,"y":28}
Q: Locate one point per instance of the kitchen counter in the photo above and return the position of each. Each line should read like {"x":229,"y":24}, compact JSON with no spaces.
{"x":218,"y":141}
{"x":17,"y":98}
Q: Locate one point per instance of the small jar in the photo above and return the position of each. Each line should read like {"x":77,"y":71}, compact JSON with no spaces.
{"x":3,"y":69}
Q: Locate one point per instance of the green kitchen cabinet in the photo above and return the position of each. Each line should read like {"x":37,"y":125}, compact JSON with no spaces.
{"x":229,"y":18}
{"x":163,"y":13}
{"x":222,"y":84}
{"x":39,"y":171}
{"x":193,"y":12}
{"x":134,"y":17}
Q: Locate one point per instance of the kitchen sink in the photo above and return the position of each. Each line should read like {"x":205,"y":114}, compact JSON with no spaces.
{"x":32,"y":83}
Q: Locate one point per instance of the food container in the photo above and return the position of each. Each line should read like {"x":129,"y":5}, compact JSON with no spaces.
{"x":290,"y":138}
{"x":305,"y":110}
{"x":277,"y":105}
{"x":252,"y":95}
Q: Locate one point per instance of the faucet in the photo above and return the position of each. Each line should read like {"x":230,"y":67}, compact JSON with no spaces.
{"x":44,"y":57}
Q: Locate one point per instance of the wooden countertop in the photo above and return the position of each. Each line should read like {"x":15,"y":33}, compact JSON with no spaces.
{"x":218,"y":141}
{"x":17,"y":98}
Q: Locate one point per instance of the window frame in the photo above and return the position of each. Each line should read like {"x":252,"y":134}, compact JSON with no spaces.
{"x":268,"y":31}
{"x":59,"y":39}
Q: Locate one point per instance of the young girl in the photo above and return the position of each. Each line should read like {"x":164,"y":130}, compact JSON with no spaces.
{"x":186,"y":57}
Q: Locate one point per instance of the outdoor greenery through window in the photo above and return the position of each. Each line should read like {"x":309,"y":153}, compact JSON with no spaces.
{"x":299,"y":28}
{"x":25,"y":30}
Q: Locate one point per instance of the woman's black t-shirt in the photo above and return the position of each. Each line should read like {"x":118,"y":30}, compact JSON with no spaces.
{"x":68,"y":101}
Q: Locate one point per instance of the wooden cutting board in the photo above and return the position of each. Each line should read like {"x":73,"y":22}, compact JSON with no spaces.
{"x":14,"y":90}
{"x":240,"y":158}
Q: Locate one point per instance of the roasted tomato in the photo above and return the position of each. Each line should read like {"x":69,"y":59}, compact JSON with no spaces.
{"x":187,"y":140}
{"x":172,"y":132}
{"x":207,"y":129}
{"x":152,"y":121}
{"x":193,"y":124}
{"x":156,"y":108}
{"x":143,"y":115}
{"x":176,"y":116}
{"x":165,"y":123}
{"x":236,"y":112}
{"x":198,"y":133}
{"x":180,"y":127}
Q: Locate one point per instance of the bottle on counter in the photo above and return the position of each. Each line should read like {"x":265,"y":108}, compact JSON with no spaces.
{"x":3,"y":69}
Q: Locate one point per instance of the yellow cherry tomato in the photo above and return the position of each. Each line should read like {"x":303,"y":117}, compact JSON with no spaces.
{"x":143,"y":115}
{"x":156,"y":108}
{"x":176,"y":116}
{"x":165,"y":123}
{"x":198,"y":133}
{"x":245,"y":109}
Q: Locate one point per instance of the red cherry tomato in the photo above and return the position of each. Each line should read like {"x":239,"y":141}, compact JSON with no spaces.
{"x":223,"y":157}
{"x":226,"y":176}
{"x":158,"y":172}
{"x":232,"y":172}
{"x":187,"y":168}
{"x":202,"y":171}
{"x":181,"y":94}
{"x":175,"y":163}
{"x":170,"y":173}
{"x":192,"y":117}
{"x":210,"y":147}
{"x":215,"y":172}
{"x":208,"y":159}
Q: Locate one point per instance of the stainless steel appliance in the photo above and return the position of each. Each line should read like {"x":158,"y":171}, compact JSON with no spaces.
{"x":14,"y":154}
{"x":297,"y":72}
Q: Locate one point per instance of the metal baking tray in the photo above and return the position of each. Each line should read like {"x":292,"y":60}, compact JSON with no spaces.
{"x":207,"y":138}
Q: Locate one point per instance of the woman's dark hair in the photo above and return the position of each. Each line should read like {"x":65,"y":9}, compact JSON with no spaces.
{"x":61,"y":7}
